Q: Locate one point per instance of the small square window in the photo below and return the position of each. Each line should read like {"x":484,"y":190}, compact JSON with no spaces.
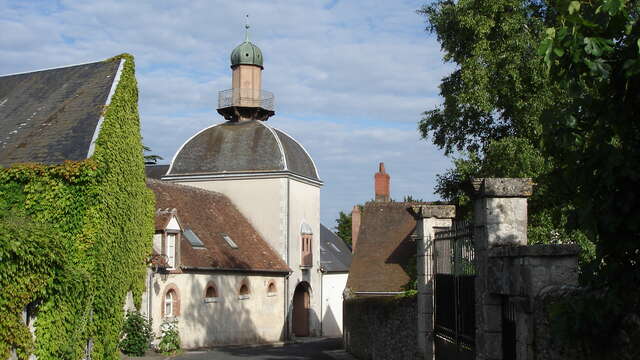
{"x":231,"y":243}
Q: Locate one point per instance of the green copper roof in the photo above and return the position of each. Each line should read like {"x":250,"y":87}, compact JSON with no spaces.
{"x":246,"y":54}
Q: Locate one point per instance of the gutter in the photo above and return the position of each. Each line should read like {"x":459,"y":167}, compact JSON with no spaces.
{"x":379,"y":293}
{"x":255,"y":271}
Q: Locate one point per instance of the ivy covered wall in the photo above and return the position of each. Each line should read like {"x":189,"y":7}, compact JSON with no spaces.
{"x":85,"y":234}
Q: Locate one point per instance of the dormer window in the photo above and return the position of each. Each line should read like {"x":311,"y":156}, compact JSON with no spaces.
{"x":171,"y":250}
{"x":306,"y":235}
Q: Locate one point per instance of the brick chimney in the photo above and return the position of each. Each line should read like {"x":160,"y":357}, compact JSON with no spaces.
{"x":355,"y":226}
{"x":382,"y":182}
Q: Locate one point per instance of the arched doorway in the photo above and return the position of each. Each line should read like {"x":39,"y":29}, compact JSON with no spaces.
{"x":301,"y":306}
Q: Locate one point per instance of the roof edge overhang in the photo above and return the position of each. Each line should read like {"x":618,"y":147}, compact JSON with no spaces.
{"x":242,"y":175}
{"x":227,"y":270}
{"x":114,"y":87}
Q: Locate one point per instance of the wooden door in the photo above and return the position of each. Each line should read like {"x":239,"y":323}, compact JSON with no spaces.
{"x":301,"y":305}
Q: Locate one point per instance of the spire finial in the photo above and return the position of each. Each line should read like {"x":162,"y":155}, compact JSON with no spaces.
{"x":246,"y":27}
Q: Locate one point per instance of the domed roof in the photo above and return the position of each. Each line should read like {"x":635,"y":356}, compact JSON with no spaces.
{"x":242,"y":147}
{"x":246,"y":54}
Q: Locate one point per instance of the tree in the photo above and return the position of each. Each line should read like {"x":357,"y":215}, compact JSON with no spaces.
{"x":499,"y":88}
{"x":343,"y":229}
{"x":410,"y":198}
{"x":493,"y":106}
{"x":593,"y":52}
{"x":150,"y":159}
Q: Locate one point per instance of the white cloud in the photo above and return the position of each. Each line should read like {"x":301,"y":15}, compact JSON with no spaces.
{"x":354,"y":76}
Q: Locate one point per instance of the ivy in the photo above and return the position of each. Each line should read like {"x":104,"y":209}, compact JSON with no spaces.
{"x":80,"y":241}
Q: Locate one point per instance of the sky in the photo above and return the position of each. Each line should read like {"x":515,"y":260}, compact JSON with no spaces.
{"x":351,"y":78}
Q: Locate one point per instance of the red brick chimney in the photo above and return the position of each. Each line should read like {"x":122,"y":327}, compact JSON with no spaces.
{"x":382,"y":182}
{"x":355,"y":226}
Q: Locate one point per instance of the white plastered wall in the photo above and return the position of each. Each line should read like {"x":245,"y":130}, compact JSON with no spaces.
{"x":261,"y":201}
{"x":227,"y":321}
{"x":304,"y":206}
{"x":333,"y":285}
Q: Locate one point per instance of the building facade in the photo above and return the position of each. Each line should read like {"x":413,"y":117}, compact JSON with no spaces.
{"x":273,"y":182}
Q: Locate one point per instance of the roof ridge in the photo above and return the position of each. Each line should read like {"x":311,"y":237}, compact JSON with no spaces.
{"x":187,"y":187}
{"x":54,"y":68}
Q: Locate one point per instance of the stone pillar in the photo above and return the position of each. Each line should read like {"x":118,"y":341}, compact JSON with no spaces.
{"x":429,"y":218}
{"x":500,"y":219}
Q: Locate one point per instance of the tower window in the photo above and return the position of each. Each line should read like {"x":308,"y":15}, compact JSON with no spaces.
{"x":211,"y":294}
{"x":271,"y":289}
{"x":244,"y":292}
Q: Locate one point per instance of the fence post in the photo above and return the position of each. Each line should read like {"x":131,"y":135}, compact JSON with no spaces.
{"x":500,"y":219}
{"x":429,"y":218}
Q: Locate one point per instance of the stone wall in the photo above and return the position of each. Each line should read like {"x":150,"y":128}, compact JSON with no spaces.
{"x":620,"y":344}
{"x":381,"y":328}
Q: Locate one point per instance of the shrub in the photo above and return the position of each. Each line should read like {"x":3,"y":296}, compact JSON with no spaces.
{"x":136,"y":334}
{"x":170,"y":339}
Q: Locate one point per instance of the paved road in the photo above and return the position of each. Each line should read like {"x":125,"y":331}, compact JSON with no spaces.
{"x":312,"y":349}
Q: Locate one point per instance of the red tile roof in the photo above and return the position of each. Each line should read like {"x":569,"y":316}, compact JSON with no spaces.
{"x":384,"y":248}
{"x":209,"y":215}
{"x":163,"y":216}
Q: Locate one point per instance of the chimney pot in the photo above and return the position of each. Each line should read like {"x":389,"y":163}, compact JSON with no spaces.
{"x":382,"y":184}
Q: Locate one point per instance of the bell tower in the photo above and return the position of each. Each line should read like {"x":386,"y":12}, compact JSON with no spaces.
{"x":246,"y":100}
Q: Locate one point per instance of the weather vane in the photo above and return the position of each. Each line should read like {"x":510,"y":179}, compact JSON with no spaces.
{"x":246,"y":27}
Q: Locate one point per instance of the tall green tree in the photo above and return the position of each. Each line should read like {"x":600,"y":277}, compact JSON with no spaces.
{"x":493,"y":104}
{"x":499,"y":87}
{"x":343,"y":228}
{"x":593,"y":53}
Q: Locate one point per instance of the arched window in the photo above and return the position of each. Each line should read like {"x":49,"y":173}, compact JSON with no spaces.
{"x":306,"y":234}
{"x":244,"y":292}
{"x":271,"y":289}
{"x":211,"y":293}
{"x":171,"y":304}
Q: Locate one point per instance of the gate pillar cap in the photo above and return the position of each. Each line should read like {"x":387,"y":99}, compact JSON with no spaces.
{"x":433,"y":211}
{"x":503,"y":187}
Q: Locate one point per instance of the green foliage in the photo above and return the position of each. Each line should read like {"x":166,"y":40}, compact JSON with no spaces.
{"x":136,"y":334}
{"x":593,"y":52}
{"x":29,"y":261}
{"x":409,"y":198}
{"x":494,"y":102}
{"x":343,"y":229}
{"x":150,"y":159}
{"x":100,"y":213}
{"x":170,"y":338}
{"x":499,"y":87}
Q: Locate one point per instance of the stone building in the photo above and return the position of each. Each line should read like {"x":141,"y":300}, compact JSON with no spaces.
{"x":383,"y":250}
{"x":272,"y":182}
{"x":335,"y":261}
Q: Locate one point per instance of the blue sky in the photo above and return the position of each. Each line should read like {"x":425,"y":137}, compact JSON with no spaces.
{"x":350,"y":78}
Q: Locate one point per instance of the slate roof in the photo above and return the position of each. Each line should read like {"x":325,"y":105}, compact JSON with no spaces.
{"x":156,"y":171}
{"x":242,"y":147}
{"x":50,"y":116}
{"x":335,"y":255}
{"x":210,"y":215}
{"x":384,"y":248}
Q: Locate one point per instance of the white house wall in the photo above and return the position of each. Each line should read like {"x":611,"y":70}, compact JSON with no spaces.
{"x":230,"y":320}
{"x":304,"y":206}
{"x":333,"y":285}
{"x":261,"y":201}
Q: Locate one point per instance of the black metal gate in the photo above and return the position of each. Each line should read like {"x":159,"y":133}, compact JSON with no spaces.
{"x":454,"y":293}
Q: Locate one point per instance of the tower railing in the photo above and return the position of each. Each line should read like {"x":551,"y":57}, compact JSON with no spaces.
{"x":246,"y":98}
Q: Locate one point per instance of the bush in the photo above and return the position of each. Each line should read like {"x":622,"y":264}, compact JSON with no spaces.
{"x":136,"y":334}
{"x":170,"y":339}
